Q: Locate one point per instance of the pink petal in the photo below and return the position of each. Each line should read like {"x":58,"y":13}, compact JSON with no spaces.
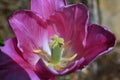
{"x":46,"y":7}
{"x":10,"y":50}
{"x":31,"y":33}
{"x":71,"y":23}
{"x":99,"y":41}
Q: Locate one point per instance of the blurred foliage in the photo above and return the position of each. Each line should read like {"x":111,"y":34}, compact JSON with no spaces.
{"x":7,"y":7}
{"x":1,"y":42}
{"x":106,"y":67}
{"x":72,"y":1}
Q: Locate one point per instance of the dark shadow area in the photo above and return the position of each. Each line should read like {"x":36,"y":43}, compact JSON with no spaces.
{"x":10,"y":70}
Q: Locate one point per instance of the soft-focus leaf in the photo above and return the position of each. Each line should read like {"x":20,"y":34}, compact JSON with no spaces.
{"x":1,"y":42}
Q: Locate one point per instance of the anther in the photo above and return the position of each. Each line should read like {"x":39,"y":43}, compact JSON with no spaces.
{"x":70,"y":58}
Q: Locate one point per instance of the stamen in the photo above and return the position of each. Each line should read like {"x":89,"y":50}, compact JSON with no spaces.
{"x":70,"y":58}
{"x":47,"y":64}
{"x":67,"y":44}
{"x":42,"y":53}
{"x":39,"y":52}
{"x":56,"y":67}
{"x":59,"y":67}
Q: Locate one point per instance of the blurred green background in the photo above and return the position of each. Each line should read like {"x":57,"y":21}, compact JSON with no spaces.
{"x":104,"y":12}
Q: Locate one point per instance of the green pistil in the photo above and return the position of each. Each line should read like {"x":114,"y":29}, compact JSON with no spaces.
{"x":56,"y":41}
{"x":56,"y":55}
{"x":56,"y":46}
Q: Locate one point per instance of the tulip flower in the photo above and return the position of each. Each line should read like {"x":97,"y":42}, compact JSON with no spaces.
{"x":52,"y":39}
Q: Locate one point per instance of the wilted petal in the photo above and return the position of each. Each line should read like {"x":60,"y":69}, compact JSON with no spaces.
{"x":99,"y":41}
{"x":31,"y":33}
{"x":46,"y":7}
{"x":13,"y":66}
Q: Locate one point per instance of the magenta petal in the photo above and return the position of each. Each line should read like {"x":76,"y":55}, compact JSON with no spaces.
{"x":11,"y":50}
{"x":31,"y":33}
{"x":53,"y":78}
{"x":46,"y":7}
{"x":73,"y":67}
{"x":71,"y":23}
{"x":99,"y":41}
{"x":43,"y":71}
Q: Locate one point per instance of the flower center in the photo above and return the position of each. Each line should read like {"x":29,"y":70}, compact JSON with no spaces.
{"x":56,"y":60}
